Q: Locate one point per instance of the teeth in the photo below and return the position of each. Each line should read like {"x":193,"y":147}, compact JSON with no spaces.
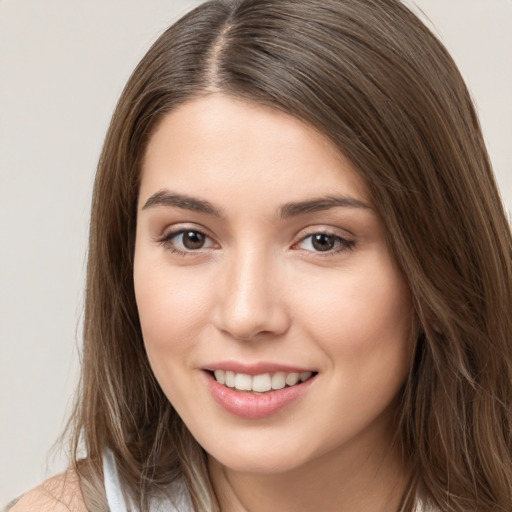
{"x":278,"y":380}
{"x":243,"y":382}
{"x":220,"y":376}
{"x":305,"y":376}
{"x":292,"y":379}
{"x":230,"y":379}
{"x":260,"y":383}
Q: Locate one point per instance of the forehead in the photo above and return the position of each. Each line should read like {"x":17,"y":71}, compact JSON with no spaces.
{"x":218,"y":144}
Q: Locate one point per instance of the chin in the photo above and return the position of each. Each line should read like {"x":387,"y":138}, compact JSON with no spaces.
{"x":274,"y":462}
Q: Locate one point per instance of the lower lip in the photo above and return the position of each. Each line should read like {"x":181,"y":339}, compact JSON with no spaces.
{"x":254,"y":406}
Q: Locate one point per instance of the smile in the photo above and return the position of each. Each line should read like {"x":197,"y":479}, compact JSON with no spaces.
{"x":259,"y":391}
{"x":261,"y":383}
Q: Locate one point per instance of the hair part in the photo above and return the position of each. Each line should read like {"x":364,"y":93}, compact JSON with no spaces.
{"x":371,"y":77}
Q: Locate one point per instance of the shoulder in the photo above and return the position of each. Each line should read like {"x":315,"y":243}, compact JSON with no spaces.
{"x":61,"y":493}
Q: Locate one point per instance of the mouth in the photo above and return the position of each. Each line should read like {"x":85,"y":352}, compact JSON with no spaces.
{"x":260,"y":391}
{"x":260,"y":383}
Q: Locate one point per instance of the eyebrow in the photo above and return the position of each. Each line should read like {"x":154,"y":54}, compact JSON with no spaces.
{"x":294,"y":209}
{"x":166,"y":198}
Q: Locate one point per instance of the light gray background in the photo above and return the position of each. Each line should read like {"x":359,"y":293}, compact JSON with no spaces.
{"x":63,"y":64}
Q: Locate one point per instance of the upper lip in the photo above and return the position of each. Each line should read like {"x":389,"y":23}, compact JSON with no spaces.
{"x":256,"y":368}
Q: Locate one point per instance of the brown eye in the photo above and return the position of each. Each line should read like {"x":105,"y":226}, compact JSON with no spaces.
{"x":186,"y":241}
{"x":193,"y":240}
{"x":323,"y":242}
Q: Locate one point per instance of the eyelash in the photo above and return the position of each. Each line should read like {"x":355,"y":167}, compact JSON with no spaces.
{"x":165,"y":241}
{"x":343,"y":243}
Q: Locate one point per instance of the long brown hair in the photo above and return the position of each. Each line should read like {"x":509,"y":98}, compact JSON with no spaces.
{"x":371,"y":77}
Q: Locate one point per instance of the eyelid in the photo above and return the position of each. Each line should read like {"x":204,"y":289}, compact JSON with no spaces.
{"x":177,"y":229}
{"x":323,"y":229}
{"x":346,"y":243}
{"x":180,"y":227}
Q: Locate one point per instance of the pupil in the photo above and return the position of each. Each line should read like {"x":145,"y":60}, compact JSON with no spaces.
{"x":193,"y":240}
{"x":323,"y":242}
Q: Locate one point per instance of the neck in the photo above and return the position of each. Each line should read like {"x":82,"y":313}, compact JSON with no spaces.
{"x":359,"y":478}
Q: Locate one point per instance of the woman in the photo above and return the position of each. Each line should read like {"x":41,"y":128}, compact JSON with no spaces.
{"x":300,"y":275}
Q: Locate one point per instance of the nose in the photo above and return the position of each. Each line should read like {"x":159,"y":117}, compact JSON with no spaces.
{"x":251,"y":304}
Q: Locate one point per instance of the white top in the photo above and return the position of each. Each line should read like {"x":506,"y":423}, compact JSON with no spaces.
{"x":116,"y":500}
{"x":182,"y":503}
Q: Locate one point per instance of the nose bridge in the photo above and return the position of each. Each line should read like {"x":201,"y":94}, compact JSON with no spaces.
{"x":251,"y":302}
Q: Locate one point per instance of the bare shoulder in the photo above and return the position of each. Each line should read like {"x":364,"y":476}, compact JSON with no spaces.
{"x":61,"y":493}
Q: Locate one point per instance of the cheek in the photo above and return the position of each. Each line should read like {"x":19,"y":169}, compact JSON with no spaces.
{"x":363,"y":326}
{"x":363,"y":320}
{"x":171,"y":308}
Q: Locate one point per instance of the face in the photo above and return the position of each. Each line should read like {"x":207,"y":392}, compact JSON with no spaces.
{"x":273,"y":315}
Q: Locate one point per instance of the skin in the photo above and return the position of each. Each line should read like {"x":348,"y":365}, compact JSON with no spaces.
{"x":259,"y":290}
{"x":60,"y":493}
